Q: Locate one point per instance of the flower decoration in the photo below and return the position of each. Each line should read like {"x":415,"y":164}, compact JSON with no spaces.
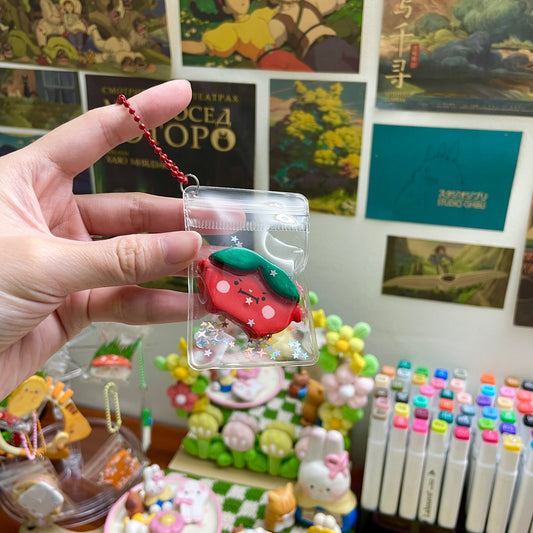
{"x":181,"y":397}
{"x":346,"y":388}
{"x":332,"y":417}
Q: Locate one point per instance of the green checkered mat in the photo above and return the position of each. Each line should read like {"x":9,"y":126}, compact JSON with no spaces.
{"x":242,"y":505}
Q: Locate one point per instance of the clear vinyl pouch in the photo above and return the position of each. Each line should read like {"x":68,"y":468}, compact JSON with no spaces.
{"x":248,"y":301}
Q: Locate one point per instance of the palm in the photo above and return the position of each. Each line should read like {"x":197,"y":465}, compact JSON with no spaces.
{"x":53,"y":279}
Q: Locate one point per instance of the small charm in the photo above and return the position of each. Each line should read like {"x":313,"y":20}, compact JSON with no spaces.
{"x":250,"y":291}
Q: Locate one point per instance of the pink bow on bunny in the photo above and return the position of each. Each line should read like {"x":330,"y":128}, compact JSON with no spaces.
{"x":337,"y":464}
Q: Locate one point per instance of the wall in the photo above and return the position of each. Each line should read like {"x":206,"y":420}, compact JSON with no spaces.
{"x":347,"y":254}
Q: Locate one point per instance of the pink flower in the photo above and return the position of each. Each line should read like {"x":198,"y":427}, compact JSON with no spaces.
{"x":181,"y":396}
{"x":346,"y":388}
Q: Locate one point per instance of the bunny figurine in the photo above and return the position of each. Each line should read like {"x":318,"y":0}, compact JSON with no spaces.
{"x":157,"y":492}
{"x":324,"y":480}
{"x":191,"y":498}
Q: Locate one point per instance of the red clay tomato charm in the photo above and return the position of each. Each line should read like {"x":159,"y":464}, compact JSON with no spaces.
{"x":250,"y":291}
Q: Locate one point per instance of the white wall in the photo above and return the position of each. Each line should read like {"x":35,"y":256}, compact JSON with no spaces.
{"x":347,"y":254}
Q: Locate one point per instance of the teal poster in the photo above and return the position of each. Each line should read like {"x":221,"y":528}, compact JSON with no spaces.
{"x":450,"y":177}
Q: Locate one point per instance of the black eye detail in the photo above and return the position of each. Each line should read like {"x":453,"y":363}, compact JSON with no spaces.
{"x":263,"y":299}
{"x":236,"y":282}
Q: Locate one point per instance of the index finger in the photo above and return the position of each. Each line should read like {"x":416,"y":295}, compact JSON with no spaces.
{"x":76,"y":145}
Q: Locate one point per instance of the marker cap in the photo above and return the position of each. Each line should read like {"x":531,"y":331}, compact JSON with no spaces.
{"x":528,"y":421}
{"x":446,"y":393}
{"x":404,"y":363}
{"x":524,"y":408}
{"x":463,"y":420}
{"x":490,"y":436}
{"x":460,"y":373}
{"x":508,"y":416}
{"x":459,"y":446}
{"x":524,"y":395}
{"x":397,"y":385}
{"x":400,"y":422}
{"x":490,"y":412}
{"x":463,"y":398}
{"x":509,"y":429}
{"x":485,"y":423}
{"x":402,"y":397}
{"x":441,"y":373}
{"x":421,"y":413}
{"x":419,"y":379}
{"x":488,"y":390}
{"x":446,"y":416}
{"x":439,"y":426}
{"x":438,"y":383}
{"x":404,"y":374}
{"x":388,"y":371}
{"x":422,"y":370}
{"x":446,"y":405}
{"x":380,"y":392}
{"x":489,"y":447}
{"x":381,"y":380}
{"x":420,"y":425}
{"x":427,"y":390}
{"x":437,"y":437}
{"x":512,"y":446}
{"x":489,"y":379}
{"x":506,"y":404}
{"x":483,"y":400}
{"x":512,"y":381}
{"x":527,"y":384}
{"x":383,"y":403}
{"x":508,"y":392}
{"x":420,"y":401}
{"x":468,"y":410}
{"x":457,"y":385}
{"x":401,"y":409}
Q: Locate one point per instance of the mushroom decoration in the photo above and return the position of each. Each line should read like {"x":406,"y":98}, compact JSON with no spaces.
{"x":111,"y":365}
{"x":204,"y":426}
{"x":250,"y":291}
{"x":239,"y":436}
{"x":276,"y":443}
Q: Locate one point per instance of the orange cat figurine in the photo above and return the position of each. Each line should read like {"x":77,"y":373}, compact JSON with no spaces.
{"x":280,"y":509}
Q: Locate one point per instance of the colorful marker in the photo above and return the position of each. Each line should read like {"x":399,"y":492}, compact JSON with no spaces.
{"x":522,"y":512}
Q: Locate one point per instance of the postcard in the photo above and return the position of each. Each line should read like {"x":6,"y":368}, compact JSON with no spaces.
{"x":456,"y":56}
{"x":452,"y":272}
{"x":114,"y":37}
{"x":213,"y":138}
{"x":38,"y":99}
{"x":524,"y":303}
{"x":315,"y":141}
{"x":450,"y":177}
{"x":310,"y":36}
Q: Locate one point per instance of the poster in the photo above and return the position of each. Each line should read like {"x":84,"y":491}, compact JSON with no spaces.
{"x":451,"y":177}
{"x":468,"y":274}
{"x":110,"y":36}
{"x":38,"y":99}
{"x":289,"y":35}
{"x":456,"y":56}
{"x":524,"y":303}
{"x":213,"y":138}
{"x":315,"y":141}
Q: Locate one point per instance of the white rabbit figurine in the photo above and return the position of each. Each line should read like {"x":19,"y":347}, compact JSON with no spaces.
{"x":191,"y":497}
{"x":324,"y":480}
{"x":157,"y":492}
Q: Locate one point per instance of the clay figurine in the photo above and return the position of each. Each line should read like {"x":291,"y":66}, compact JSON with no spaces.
{"x":191,"y":497}
{"x":314,"y":398}
{"x":157,"y":492}
{"x":280,"y":509}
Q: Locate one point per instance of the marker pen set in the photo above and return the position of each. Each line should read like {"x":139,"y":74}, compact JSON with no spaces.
{"x":433,"y":448}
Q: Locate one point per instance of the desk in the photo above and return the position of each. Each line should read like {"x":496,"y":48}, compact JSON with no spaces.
{"x":166,"y":439}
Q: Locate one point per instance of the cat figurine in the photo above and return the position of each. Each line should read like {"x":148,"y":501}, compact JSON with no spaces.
{"x":280,"y":509}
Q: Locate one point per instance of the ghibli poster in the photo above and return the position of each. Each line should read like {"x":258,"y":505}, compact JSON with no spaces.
{"x":111,"y":36}
{"x":456,"y":55}
{"x":524,"y":303}
{"x":213,"y":138}
{"x":446,"y":176}
{"x":315,"y":141}
{"x":447,"y":271}
{"x":289,"y":35}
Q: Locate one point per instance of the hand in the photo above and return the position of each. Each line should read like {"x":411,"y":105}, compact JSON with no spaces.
{"x":54,"y":280}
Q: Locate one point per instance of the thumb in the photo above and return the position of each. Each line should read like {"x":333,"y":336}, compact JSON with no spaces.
{"x":124,"y":260}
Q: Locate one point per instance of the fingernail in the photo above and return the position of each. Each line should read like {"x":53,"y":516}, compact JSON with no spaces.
{"x":182,"y":248}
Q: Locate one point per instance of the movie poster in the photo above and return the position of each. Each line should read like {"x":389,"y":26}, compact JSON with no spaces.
{"x":213,"y":138}
{"x":38,"y":99}
{"x":452,"y":272}
{"x":445,"y":176}
{"x":456,"y":55}
{"x":110,"y":36}
{"x":289,"y":35}
{"x":315,"y":141}
{"x":524,"y":302}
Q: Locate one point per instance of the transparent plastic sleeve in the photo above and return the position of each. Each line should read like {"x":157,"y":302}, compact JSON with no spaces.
{"x":248,"y":301}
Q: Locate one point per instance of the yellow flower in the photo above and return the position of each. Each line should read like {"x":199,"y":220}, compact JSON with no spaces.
{"x":331,"y":417}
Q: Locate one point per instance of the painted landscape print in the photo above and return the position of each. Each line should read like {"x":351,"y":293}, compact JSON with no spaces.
{"x":114,"y":36}
{"x":447,"y":271}
{"x":471,"y":56}
{"x":524,"y":303}
{"x":315,"y":141}
{"x":291,"y":35}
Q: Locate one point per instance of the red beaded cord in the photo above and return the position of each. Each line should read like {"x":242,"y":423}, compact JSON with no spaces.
{"x":169,"y":164}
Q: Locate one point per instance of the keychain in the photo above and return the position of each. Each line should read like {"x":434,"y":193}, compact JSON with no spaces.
{"x":247,"y":287}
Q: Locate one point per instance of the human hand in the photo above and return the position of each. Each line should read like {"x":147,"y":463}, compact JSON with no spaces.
{"x":54,"y":280}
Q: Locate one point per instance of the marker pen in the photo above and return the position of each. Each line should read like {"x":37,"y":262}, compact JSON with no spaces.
{"x":527,"y":384}
{"x":504,"y":404}
{"x":479,"y":490}
{"x":504,"y":483}
{"x":401,"y":409}
{"x":446,"y":405}
{"x":422,"y":370}
{"x":402,"y":397}
{"x":460,"y":373}
{"x":508,"y":392}
{"x":457,"y":385}
{"x":414,"y":465}
{"x":405,"y":375}
{"x":526,"y":427}
{"x":463,"y":420}
{"x":468,"y":410}
{"x":508,"y":416}
{"x":489,"y":391}
{"x":432,"y":473}
{"x":420,"y":401}
{"x":447,"y":394}
{"x":381,"y":381}
{"x":393,"y":469}
{"x":483,"y":401}
{"x":397,"y":385}
{"x":522,"y":512}
{"x":441,"y":373}
{"x":462,"y":398}
{"x":388,"y":371}
{"x":428,"y":392}
{"x":416,"y":382}
{"x":438,"y":384}
{"x":490,"y":412}
{"x":507,"y":429}
{"x":446,"y":416}
{"x":524,"y":396}
{"x":454,"y":477}
{"x":421,"y":413}
{"x":375,"y":454}
{"x":487,"y":379}
{"x":404,"y":363}
{"x":482,"y":425}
